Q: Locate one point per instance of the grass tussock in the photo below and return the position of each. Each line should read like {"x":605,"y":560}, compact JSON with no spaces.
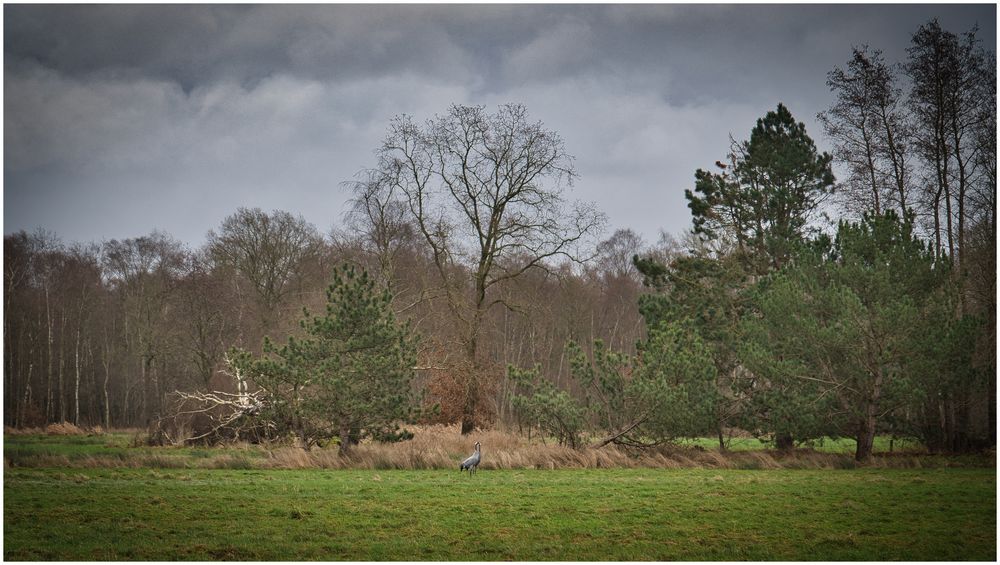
{"x":57,"y":429}
{"x":64,"y":429}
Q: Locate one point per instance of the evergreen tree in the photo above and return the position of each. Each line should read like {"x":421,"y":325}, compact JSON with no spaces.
{"x":540,"y":404}
{"x":348,"y":376}
{"x":835,"y":339}
{"x":705,"y":291}
{"x":764,"y":198}
{"x":754,"y":213}
{"x":666,"y":391}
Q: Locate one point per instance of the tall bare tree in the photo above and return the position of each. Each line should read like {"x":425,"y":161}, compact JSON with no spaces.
{"x":381,"y":222}
{"x":948,"y":74}
{"x":269,"y":250}
{"x":870,"y":134}
{"x":83,"y":285}
{"x":486,"y":192}
{"x":144,"y":271}
{"x":205,"y":318}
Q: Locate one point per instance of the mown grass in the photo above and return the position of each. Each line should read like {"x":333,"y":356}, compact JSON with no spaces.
{"x":609,"y":514}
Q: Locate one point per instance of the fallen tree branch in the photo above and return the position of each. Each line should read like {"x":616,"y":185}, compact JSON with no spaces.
{"x":613,"y":438}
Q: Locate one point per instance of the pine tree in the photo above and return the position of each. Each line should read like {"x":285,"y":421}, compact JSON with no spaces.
{"x":765,"y":197}
{"x":348,"y":376}
{"x":836,"y":340}
{"x":667,"y":391}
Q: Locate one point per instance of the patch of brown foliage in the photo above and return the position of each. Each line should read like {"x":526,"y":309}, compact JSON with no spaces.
{"x":446,"y":387}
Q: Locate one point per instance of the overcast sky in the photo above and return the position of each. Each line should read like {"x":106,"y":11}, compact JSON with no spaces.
{"x":123,"y":119}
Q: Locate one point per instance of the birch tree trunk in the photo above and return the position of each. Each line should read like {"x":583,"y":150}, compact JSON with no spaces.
{"x":49,"y":411}
{"x":76,"y":384}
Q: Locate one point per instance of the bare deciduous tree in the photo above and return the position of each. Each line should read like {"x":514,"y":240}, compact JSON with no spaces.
{"x":143,"y":271}
{"x":486,"y":193}
{"x":382,"y":222}
{"x":870,"y":134}
{"x":615,"y":254}
{"x":268,"y":249}
{"x":949,"y":92}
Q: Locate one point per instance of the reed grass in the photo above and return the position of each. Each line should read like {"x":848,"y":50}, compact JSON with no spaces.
{"x":432,"y":447}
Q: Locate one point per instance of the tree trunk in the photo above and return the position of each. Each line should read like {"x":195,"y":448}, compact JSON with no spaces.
{"x":345,"y":437}
{"x":876,"y":200}
{"x":469,"y":408}
{"x":472,"y":379}
{"x":613,"y":437}
{"x":937,"y":224}
{"x":107,"y":377}
{"x":76,"y":384}
{"x":49,"y":411}
{"x":107,"y":401}
{"x":866,"y":438}
{"x":92,"y":412}
{"x":10,"y":383}
{"x":157,"y":391}
{"x":125,"y":394}
{"x":62,"y":367}
{"x":898,"y":169}
{"x":784,"y":442}
{"x":946,"y":187}
{"x":144,"y":409}
{"x":27,"y":395}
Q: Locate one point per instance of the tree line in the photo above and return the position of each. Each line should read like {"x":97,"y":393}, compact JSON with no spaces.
{"x":497,"y":303}
{"x":103,"y":334}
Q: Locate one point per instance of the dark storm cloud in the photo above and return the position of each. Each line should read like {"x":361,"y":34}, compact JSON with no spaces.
{"x":119,"y":118}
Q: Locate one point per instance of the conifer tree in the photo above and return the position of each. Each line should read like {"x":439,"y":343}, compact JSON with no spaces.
{"x":765,"y":197}
{"x":348,"y":376}
{"x":836,"y":340}
{"x":666,"y":391}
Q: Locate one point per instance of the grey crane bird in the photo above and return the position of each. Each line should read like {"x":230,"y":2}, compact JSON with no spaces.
{"x":472,"y":461}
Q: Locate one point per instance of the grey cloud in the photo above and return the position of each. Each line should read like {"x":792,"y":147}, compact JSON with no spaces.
{"x":719,"y":51}
{"x":120,"y":118}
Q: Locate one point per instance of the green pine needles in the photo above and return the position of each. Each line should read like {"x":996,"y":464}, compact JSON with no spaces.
{"x":348,"y":376}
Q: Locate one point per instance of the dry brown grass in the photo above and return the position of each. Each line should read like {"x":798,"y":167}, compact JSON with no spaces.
{"x":58,"y":429}
{"x":64,"y":429}
{"x":443,"y":446}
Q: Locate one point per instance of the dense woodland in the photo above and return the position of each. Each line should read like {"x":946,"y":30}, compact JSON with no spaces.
{"x":796,"y":306}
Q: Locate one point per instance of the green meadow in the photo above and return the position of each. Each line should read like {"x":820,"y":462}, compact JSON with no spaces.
{"x":578,"y":514}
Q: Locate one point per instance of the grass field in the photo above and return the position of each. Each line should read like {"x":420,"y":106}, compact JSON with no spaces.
{"x":614,"y":514}
{"x":109,"y":497}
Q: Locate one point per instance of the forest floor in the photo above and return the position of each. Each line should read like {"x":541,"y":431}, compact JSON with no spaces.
{"x":98,"y":497}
